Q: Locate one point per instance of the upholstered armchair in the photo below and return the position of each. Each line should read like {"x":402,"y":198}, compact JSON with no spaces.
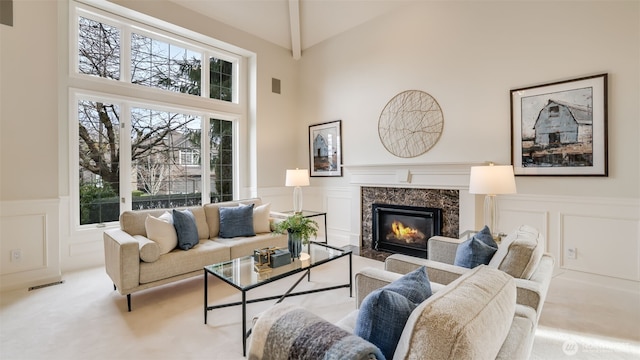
{"x":520,"y":254}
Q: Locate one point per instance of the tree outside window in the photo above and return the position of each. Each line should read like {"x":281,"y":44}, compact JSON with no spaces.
{"x":166,"y":163}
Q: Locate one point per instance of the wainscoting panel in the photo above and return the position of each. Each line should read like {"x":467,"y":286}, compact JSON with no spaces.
{"x":26,"y":235}
{"x":338,"y":207}
{"x":600,"y":245}
{"x":512,"y":218}
{"x":593,"y":240}
{"x":30,"y":243}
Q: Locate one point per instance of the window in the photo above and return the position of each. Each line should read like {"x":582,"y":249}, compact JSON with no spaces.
{"x":140,"y":140}
{"x":166,"y":66}
{"x":221,"y":145}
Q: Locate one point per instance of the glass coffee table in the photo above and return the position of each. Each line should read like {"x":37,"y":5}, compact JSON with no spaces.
{"x":242,"y":275}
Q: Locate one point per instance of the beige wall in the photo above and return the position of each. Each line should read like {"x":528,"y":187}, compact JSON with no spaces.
{"x":29,"y":103}
{"x":468,"y":55}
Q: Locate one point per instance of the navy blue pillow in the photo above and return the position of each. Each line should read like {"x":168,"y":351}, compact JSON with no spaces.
{"x":384,"y":312}
{"x":185,"y":224}
{"x":236,"y":221}
{"x":476,"y":251}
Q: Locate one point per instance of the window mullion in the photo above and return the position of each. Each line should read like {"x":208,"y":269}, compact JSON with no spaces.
{"x":205,"y":80}
{"x":125,"y":55}
{"x":205,"y":158}
{"x":125,"y":158}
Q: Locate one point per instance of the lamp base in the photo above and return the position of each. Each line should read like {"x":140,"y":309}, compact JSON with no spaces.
{"x":491,"y":214}
{"x":297,"y":199}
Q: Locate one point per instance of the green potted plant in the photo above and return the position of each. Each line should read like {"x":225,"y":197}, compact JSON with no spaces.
{"x":299,"y":230}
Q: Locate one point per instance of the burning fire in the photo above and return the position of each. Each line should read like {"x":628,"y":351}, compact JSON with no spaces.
{"x":405,"y":233}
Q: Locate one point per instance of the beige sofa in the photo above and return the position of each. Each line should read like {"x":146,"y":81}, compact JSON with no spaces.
{"x":133,"y":261}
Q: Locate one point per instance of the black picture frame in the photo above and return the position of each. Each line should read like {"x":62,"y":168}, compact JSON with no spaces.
{"x":325,"y":149}
{"x":560,"y":128}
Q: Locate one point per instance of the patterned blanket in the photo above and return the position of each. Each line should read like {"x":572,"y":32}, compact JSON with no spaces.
{"x":291,"y":332}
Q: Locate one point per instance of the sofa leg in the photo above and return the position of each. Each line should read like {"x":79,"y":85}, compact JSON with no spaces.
{"x":114,"y":287}
{"x":129,"y":302}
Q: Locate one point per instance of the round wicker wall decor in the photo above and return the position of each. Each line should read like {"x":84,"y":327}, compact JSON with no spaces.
{"x":410,"y":124}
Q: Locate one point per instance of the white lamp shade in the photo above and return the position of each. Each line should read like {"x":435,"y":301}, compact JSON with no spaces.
{"x":297,"y":177}
{"x":492,"y":180}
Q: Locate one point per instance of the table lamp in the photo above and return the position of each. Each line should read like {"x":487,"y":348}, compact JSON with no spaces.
{"x":492,"y":180}
{"x":297,"y":178}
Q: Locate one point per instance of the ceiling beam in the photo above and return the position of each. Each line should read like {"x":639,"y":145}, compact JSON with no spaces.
{"x":294,"y":21}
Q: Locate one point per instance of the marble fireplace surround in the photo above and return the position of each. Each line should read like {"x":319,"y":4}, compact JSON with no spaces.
{"x":443,"y":186}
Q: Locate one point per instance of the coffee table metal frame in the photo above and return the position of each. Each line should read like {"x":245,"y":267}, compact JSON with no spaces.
{"x":244,"y":289}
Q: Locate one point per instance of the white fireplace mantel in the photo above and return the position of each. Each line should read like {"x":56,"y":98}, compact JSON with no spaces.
{"x":432,"y":176}
{"x":445,"y":176}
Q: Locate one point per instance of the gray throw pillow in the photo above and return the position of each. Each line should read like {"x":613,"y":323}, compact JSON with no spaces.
{"x":185,"y":224}
{"x":236,"y":221}
{"x":384,"y":312}
{"x":476,"y":251}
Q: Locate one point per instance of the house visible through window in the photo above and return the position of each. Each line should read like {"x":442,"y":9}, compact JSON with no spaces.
{"x":133,"y":153}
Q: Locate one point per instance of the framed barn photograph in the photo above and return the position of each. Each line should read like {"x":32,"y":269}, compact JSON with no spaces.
{"x":325,"y":149}
{"x":560,"y":128}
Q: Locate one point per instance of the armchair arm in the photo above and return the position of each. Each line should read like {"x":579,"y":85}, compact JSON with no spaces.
{"x":288,"y":331}
{"x":443,"y":249}
{"x":533,"y":292}
{"x":370,"y":279}
{"x":122,"y":259}
{"x":438,"y":272}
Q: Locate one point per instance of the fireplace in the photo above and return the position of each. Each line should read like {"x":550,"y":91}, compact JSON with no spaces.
{"x":446,"y":199}
{"x":404,"y":229}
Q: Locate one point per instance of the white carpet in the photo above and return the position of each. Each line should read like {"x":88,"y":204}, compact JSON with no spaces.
{"x":83,"y":318}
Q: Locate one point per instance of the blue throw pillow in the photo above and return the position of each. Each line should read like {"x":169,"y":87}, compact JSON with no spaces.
{"x":381,"y":319}
{"x":185,"y":224}
{"x":476,"y":251}
{"x":415,"y":286}
{"x":485,"y":236}
{"x":384,"y":312}
{"x":236,"y":221}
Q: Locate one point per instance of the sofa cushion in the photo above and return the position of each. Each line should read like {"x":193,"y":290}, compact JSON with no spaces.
{"x":519,"y":253}
{"x":522,"y":258}
{"x":236,"y":221}
{"x":178,"y":263}
{"x":383,"y":312}
{"x":476,"y":251}
{"x":468,"y":319}
{"x":201,"y":221}
{"x":261,"y":222}
{"x":161,"y":230}
{"x":149,"y":249}
{"x":185,"y":224}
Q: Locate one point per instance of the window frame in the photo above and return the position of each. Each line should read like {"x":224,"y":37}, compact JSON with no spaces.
{"x":128,"y":95}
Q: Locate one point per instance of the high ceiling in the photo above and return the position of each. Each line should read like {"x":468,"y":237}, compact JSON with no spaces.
{"x":293,"y":24}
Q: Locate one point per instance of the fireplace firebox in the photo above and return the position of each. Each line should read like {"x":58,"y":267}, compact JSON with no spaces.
{"x":404,"y":229}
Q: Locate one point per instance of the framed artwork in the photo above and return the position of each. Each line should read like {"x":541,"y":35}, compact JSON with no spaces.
{"x":560,"y":128}
{"x":325,"y":149}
